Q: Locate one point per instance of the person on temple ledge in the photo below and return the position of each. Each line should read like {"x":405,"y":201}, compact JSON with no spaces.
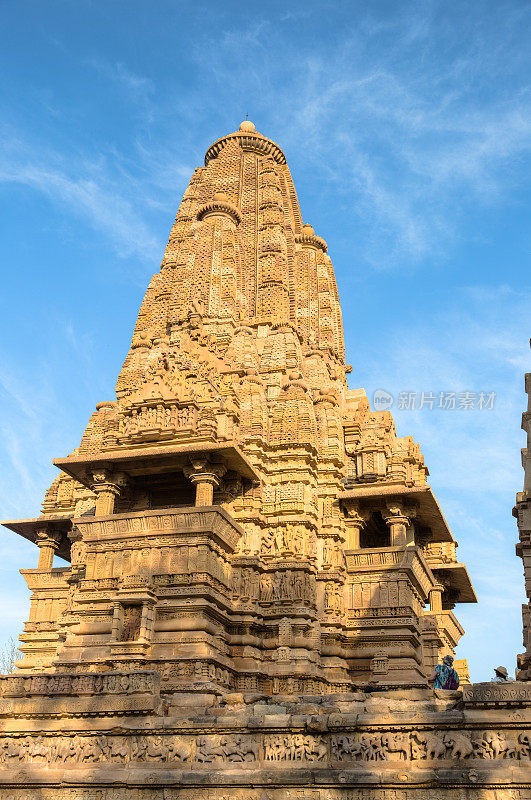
{"x":444,"y":676}
{"x":500,"y":675}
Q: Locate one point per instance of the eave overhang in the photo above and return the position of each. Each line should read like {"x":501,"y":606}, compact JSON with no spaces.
{"x":59,"y":526}
{"x":428,"y":509}
{"x":140,"y":461}
{"x":456,"y":577}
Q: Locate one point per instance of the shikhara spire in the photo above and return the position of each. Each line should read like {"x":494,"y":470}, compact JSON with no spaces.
{"x":238,"y":514}
{"x":240,"y":255}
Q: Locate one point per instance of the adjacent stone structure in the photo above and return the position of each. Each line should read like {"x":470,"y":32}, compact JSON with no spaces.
{"x":249,"y":545}
{"x":522,"y":512}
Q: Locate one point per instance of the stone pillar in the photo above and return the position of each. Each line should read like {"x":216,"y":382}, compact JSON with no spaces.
{"x":48,"y":543}
{"x":354,"y":522}
{"x":436,"y":593}
{"x":78,"y":551}
{"x":205,"y":476}
{"x":399,"y":521}
{"x":430,"y":642}
{"x":116,"y":621}
{"x":107,"y":487}
{"x":204,"y":489}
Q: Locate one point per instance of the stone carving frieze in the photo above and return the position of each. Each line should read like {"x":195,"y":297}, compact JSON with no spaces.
{"x":52,"y":685}
{"x":431,"y":745}
{"x":225,"y":748}
{"x":286,"y":585}
{"x":517,"y":692}
{"x":295,"y":747}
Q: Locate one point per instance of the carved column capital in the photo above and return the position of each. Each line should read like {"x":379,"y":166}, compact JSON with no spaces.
{"x":107,"y":486}
{"x":210,"y":473}
{"x":48,"y":541}
{"x":399,"y":517}
{"x":104,"y":480}
{"x":397,"y":513}
{"x":47,"y":537}
{"x":355,"y":515}
{"x":205,"y":475}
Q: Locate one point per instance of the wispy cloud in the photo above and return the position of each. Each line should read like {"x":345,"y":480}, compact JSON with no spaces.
{"x":137,"y":87}
{"x":83,"y":186}
{"x":402,"y":115}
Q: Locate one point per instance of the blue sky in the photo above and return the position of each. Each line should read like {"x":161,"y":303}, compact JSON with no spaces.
{"x":407,"y":128}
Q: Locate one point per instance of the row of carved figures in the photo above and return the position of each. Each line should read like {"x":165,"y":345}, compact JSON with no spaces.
{"x":283,"y":585}
{"x":157,"y":416}
{"x":296,"y":747}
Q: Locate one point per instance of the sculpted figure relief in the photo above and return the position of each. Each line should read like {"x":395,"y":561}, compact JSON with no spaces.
{"x":294,"y":748}
{"x":226,"y":748}
{"x":429,"y":745}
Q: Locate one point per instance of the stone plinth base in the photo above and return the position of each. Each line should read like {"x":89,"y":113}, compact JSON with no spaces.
{"x":388,"y":745}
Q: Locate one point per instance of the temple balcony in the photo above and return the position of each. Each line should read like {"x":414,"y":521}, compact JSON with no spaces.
{"x":186,"y":523}
{"x":387,"y":578}
{"x":150,"y":482}
{"x":429,"y":519}
{"x":383,"y":516}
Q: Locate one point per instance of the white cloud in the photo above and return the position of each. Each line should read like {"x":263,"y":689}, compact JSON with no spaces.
{"x":403,"y":116}
{"x":137,"y":87}
{"x":85,"y":186}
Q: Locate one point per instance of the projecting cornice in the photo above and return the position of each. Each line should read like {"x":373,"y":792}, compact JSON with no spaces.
{"x":220,"y":204}
{"x":248,"y":139}
{"x":309,"y":238}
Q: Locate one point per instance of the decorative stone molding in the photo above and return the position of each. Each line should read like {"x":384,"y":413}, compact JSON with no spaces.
{"x":59,"y":684}
{"x":492,"y":694}
{"x":167,"y":522}
{"x":249,"y":140}
{"x":220,"y":204}
{"x":308,"y":238}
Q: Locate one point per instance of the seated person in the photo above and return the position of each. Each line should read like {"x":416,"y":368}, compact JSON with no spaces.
{"x":445,"y":676}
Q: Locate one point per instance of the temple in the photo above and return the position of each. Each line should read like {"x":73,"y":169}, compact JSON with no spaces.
{"x":250,"y":549}
{"x":237,"y":512}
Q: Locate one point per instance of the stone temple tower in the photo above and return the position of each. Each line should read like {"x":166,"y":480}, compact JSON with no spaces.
{"x":251,"y":553}
{"x":237,"y":514}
